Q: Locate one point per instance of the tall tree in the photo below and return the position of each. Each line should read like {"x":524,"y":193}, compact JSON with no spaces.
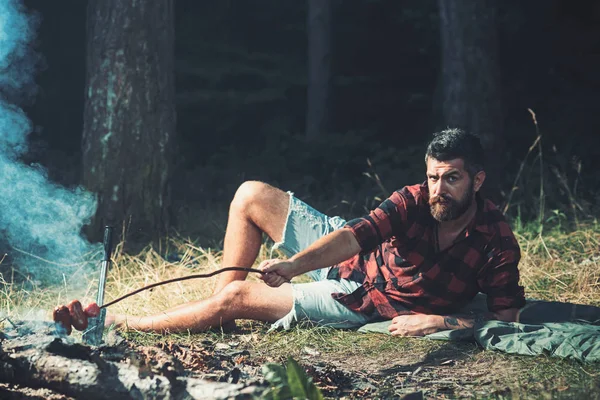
{"x":470,"y":75}
{"x":129,"y":116}
{"x":318,"y":27}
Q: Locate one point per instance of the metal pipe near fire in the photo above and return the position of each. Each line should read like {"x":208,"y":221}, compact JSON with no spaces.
{"x":93,"y":334}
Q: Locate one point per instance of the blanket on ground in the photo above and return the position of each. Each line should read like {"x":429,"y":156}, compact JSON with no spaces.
{"x":545,"y":327}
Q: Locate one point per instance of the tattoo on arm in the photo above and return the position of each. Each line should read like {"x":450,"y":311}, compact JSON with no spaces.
{"x":453,"y":322}
{"x":465,"y":320}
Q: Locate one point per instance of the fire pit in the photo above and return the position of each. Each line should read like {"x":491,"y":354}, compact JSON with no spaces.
{"x":34,"y":355}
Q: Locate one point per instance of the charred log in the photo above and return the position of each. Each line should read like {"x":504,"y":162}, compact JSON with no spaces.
{"x":36,"y":357}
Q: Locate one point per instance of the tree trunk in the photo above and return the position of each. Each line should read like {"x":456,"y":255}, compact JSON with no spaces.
{"x":129,"y":117}
{"x":318,"y":26}
{"x":470,"y":77}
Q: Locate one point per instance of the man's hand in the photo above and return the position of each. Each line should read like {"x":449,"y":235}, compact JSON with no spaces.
{"x":277,"y":271}
{"x":424,"y":324}
{"x":415,"y":325}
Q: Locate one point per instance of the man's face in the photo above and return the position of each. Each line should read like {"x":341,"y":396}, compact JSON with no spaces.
{"x":451,"y":190}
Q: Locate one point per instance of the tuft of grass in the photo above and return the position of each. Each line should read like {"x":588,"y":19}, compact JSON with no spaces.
{"x":130,"y":272}
{"x":25,"y":298}
{"x":562,"y":266}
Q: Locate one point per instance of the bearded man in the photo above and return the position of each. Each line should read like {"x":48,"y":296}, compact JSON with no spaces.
{"x":418,"y":258}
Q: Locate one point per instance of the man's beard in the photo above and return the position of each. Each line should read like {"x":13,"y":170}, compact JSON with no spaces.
{"x":444,"y":208}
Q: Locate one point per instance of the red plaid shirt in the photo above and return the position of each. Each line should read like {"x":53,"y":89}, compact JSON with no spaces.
{"x":401,"y":269}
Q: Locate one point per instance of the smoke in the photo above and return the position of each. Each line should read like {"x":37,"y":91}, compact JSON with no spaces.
{"x":38,"y":219}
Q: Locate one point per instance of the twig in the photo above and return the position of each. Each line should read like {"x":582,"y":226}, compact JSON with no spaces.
{"x":539,"y":143}
{"x":573,"y":203}
{"x":376,"y":178}
{"x":9,"y":321}
{"x":46,"y":261}
{"x":183,"y":278}
{"x":555,"y":278}
{"x":514,"y":186}
{"x":546,"y":247}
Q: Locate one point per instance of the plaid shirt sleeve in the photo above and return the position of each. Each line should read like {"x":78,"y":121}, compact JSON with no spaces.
{"x":382,"y":223}
{"x":499,"y":278}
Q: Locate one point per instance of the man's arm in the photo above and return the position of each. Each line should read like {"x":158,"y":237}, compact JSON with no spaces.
{"x":359,"y":235}
{"x":425,"y":324}
{"x":329,"y":250}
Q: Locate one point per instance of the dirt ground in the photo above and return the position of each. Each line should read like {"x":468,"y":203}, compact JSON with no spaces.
{"x":348,"y":365}
{"x":377,"y":366}
{"x":443,"y":370}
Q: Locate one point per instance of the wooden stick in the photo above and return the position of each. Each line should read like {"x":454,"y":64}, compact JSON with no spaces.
{"x":183,"y":278}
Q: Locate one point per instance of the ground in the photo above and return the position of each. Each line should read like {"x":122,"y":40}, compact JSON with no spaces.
{"x":346,"y":364}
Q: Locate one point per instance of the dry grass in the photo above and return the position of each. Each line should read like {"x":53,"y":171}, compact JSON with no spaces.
{"x":127,"y":273}
{"x":562,"y":266}
{"x":556,"y":266}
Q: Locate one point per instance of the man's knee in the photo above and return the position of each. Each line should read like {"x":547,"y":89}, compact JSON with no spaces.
{"x":234,"y":294}
{"x":254,"y":197}
{"x":248,"y":195}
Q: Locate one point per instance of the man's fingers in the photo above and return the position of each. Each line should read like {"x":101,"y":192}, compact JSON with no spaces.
{"x":274,"y":272}
{"x":266,"y":265}
{"x":397,"y":331}
{"x":273,"y":280}
{"x":263,"y":267}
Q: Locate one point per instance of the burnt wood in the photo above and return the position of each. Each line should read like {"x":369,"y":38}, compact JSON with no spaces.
{"x":34,"y":355}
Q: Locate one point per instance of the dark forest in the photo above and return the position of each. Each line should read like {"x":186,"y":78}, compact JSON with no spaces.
{"x":129,"y":132}
{"x":241,"y":77}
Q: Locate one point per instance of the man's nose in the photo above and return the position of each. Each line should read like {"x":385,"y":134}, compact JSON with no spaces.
{"x":438,"y":188}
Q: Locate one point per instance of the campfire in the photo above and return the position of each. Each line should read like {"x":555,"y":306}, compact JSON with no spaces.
{"x":40,"y":355}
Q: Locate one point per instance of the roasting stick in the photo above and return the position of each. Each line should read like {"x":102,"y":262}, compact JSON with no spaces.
{"x":183,"y":278}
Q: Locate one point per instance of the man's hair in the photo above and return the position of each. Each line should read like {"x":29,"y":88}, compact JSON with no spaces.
{"x":456,"y":143}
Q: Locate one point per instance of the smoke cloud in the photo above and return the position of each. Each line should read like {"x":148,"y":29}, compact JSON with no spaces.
{"x":36,"y":216}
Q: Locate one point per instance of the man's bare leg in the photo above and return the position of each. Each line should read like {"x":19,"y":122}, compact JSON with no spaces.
{"x":240,"y":299}
{"x":256,"y":208}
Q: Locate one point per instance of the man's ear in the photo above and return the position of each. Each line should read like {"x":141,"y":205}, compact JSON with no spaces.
{"x":478,"y":180}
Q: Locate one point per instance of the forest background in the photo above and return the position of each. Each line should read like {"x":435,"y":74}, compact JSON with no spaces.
{"x":334,"y":100}
{"x":148,"y":114}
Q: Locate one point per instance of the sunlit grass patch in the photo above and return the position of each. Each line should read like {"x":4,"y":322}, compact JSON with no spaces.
{"x":25,"y":298}
{"x":555,"y":266}
{"x":563,"y":266}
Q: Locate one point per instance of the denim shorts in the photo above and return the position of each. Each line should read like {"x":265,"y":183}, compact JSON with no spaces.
{"x":312,"y":300}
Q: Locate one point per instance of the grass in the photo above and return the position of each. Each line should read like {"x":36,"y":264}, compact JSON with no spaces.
{"x":558,"y":265}
{"x":563,"y":266}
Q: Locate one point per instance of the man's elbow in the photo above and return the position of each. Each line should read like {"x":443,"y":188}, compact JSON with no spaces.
{"x":508,"y":315}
